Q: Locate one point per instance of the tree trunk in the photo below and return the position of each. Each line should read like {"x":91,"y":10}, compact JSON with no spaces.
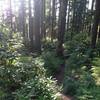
{"x":95,"y":25}
{"x":99,"y":33}
{"x":68,"y":15}
{"x":43,"y":29}
{"x":53,"y":19}
{"x":11,"y":23}
{"x":23,"y":21}
{"x":79,"y":11}
{"x":31,"y":27}
{"x":61,"y":26}
{"x":92,"y":6}
{"x":37,"y":25}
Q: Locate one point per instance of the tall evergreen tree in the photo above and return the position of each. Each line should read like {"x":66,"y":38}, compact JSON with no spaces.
{"x":61,"y":26}
{"x":79,"y":8}
{"x":11,"y":23}
{"x":31,"y":27}
{"x":43,"y":22}
{"x":37,"y":24}
{"x":23,"y":21}
{"x":95,"y":24}
{"x":53,"y":19}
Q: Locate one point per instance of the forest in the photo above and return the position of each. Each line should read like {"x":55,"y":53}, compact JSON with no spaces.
{"x":49,"y":49}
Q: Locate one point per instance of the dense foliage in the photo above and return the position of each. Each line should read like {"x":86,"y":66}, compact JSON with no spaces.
{"x":24,"y":77}
{"x":49,"y":49}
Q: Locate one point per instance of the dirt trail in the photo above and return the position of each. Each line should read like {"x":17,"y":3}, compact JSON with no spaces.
{"x":60,"y":77}
{"x":64,"y":97}
{"x":60,"y":74}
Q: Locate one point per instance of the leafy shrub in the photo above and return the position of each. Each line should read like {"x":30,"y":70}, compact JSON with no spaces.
{"x":88,"y":90}
{"x":89,"y":94}
{"x":23,"y":77}
{"x":26,"y":77}
{"x":40,"y":88}
{"x":98,"y":48}
{"x":96,"y":74}
{"x":83,"y":87}
{"x":96,"y":69}
{"x":70,"y":86}
{"x":80,"y":43}
{"x":51,"y":62}
{"x":49,"y":45}
{"x":76,"y":61}
{"x":81,"y":78}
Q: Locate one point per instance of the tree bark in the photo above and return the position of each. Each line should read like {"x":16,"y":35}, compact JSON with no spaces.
{"x":31,"y":27}
{"x":43,"y":29}
{"x":99,"y":33}
{"x":92,"y":6}
{"x":95,"y":25}
{"x":23,"y":21}
{"x":11,"y":26}
{"x":53,"y":19}
{"x":61,"y":26}
{"x":37,"y":25}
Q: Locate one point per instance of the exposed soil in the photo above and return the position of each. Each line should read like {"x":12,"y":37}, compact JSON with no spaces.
{"x":60,"y":74}
{"x":64,"y":97}
{"x":60,"y":77}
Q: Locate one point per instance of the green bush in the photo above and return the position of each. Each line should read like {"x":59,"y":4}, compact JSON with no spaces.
{"x":96,"y":69}
{"x":39,"y":88}
{"x":23,"y":77}
{"x":51,"y":62}
{"x":82,"y":76}
{"x":83,"y":87}
{"x":80,"y":43}
{"x":26,"y":77}
{"x":49,"y":45}
{"x":88,"y":89}
{"x":70,"y":86}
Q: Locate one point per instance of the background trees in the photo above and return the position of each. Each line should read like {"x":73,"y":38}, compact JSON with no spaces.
{"x":44,"y":38}
{"x":47,"y":20}
{"x":95,"y":24}
{"x":61,"y":26}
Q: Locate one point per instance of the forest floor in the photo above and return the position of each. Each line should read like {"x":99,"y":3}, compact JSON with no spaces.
{"x":60,"y":74}
{"x":60,"y":77}
{"x":64,"y":97}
